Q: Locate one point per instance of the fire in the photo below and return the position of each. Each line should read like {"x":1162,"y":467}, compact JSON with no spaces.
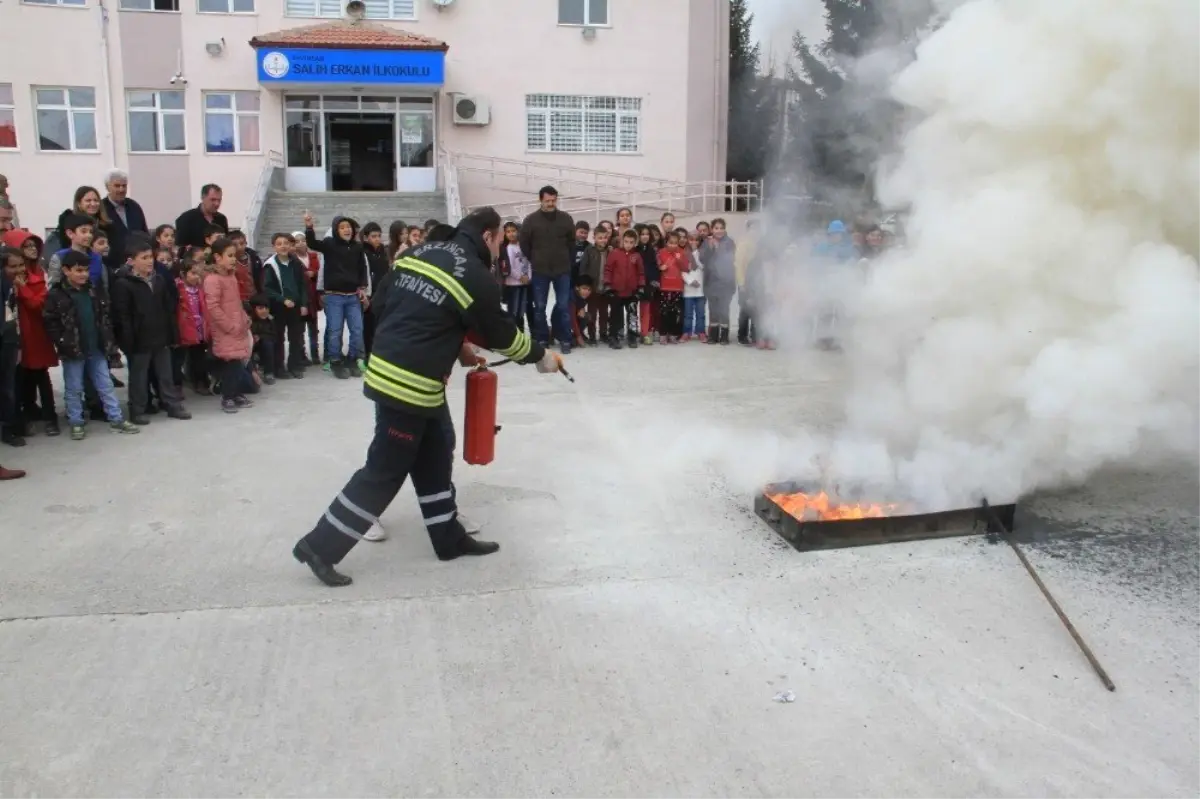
{"x":819,"y":507}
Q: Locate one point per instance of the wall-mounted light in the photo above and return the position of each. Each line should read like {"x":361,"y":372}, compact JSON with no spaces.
{"x":215,"y":48}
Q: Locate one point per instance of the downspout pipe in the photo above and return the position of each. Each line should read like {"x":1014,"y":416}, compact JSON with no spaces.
{"x":106,"y":78}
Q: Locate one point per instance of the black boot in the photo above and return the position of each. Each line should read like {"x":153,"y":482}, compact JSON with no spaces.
{"x":324,"y":572}
{"x":469,"y":546}
{"x":339,"y":370}
{"x":724,"y":335}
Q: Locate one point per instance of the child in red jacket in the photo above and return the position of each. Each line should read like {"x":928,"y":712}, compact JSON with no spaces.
{"x":671,"y":264}
{"x":193,"y":328}
{"x":37,"y":350}
{"x":624,"y":285}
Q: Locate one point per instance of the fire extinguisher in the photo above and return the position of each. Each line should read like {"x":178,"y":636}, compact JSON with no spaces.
{"x":479,"y":418}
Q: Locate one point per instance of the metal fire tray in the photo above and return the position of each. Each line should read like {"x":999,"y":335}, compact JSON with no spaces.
{"x":840,"y":533}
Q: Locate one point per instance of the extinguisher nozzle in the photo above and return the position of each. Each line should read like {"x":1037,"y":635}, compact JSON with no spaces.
{"x":566,"y":374}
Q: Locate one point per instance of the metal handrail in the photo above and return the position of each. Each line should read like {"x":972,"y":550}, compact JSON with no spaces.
{"x":529,"y":170}
{"x":685,"y":198}
{"x":262,"y":189}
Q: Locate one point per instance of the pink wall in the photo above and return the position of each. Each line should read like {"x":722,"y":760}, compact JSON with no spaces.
{"x":664,"y":52}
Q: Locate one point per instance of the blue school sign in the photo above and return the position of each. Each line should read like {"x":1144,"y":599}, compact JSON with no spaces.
{"x":360,"y":67}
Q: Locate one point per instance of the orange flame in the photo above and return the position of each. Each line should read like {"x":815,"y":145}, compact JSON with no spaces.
{"x":819,"y":507}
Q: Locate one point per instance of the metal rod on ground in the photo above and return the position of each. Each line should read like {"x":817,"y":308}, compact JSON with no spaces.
{"x":1062,"y":616}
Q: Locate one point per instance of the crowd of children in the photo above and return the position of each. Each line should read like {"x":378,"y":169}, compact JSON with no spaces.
{"x":652,"y":283}
{"x":221,"y":320}
{"x":217,"y":319}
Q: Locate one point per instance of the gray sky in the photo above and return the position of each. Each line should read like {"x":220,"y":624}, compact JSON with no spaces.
{"x":776,"y":20}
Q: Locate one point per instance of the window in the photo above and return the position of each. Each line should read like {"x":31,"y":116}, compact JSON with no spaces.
{"x":231,"y":122}
{"x":149,"y":5}
{"x":79,"y":3}
{"x":8,"y":122}
{"x":376,"y":9}
{"x":582,"y":12}
{"x":558,"y":123}
{"x":156,"y":122}
{"x":225,"y":6}
{"x":66,"y":118}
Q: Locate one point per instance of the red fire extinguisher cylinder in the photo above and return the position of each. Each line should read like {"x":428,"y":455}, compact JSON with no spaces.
{"x":479,"y":417}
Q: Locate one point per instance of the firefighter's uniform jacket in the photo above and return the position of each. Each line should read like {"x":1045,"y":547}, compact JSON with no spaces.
{"x":424,"y":309}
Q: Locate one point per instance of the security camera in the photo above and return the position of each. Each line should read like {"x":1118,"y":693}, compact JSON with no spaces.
{"x":178,"y":78}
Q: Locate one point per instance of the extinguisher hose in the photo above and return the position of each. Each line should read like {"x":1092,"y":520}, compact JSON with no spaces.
{"x":494,"y":364}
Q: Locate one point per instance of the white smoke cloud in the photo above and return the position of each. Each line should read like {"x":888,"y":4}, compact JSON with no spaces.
{"x":1043,"y":321}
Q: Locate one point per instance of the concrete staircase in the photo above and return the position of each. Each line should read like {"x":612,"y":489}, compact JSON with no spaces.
{"x":284,"y":210}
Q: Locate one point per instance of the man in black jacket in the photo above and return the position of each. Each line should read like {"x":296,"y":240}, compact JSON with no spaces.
{"x":344,"y":280}
{"x":547,"y":239}
{"x":145,"y":326}
{"x":437,"y":294}
{"x":125,"y":217}
{"x":190,"y":226}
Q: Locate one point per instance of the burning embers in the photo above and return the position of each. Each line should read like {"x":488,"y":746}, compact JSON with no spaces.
{"x":821,"y":507}
{"x":810,"y":519}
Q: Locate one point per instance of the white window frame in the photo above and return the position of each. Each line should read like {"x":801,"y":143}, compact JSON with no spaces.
{"x":178,"y":9}
{"x":11,"y":107}
{"x":587,"y":16}
{"x":627,"y":111}
{"x":159,"y":113}
{"x":229,"y":9}
{"x":59,"y":3}
{"x":336,"y":9}
{"x":234,"y":112}
{"x":70,"y":111}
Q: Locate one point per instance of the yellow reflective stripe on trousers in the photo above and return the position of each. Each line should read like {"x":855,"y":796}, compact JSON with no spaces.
{"x":385,"y":386}
{"x":430,"y":272}
{"x":413,"y":380}
{"x":519,"y":349}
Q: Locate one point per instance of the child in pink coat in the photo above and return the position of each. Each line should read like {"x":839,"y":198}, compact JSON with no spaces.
{"x":228,"y":324}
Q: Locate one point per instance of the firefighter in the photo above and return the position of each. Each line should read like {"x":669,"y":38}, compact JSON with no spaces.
{"x":424,"y":309}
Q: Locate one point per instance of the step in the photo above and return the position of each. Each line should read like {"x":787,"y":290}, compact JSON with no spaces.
{"x":284,"y":210}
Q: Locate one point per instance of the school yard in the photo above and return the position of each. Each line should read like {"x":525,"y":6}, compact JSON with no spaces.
{"x":628,"y":639}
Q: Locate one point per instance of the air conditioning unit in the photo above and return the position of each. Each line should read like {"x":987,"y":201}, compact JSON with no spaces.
{"x":470,"y":110}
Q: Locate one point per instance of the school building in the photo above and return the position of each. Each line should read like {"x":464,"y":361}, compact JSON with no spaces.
{"x":392,"y":103}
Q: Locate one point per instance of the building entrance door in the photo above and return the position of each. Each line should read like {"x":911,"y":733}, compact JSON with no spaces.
{"x":417,"y":169}
{"x":362,"y":151}
{"x":360,"y":143}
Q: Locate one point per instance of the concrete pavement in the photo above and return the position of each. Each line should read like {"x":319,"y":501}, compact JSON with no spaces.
{"x":627,"y":640}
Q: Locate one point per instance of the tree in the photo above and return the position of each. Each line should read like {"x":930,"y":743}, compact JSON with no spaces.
{"x":840,"y":125}
{"x":752,"y":108}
